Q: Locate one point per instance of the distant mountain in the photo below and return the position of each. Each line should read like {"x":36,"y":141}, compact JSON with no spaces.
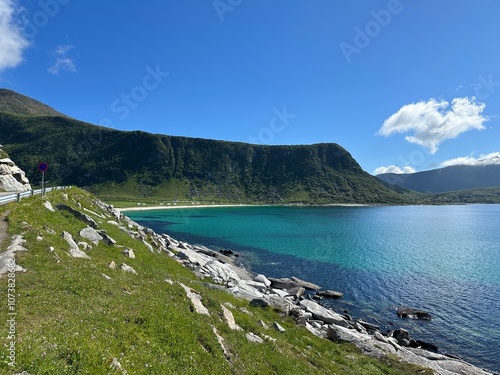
{"x":15,"y":103}
{"x":459,"y":177}
{"x":121,"y":165}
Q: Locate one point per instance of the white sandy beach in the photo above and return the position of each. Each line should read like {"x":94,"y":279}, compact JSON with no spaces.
{"x":170,"y":207}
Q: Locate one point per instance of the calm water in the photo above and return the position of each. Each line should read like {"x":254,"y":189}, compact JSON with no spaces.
{"x":443,"y":259}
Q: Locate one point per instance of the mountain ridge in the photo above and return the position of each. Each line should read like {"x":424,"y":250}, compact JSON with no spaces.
{"x":447,"y":179}
{"x":15,"y":103}
{"x":145,"y":164}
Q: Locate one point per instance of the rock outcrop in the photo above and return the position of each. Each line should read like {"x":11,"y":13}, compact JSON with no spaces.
{"x":12,"y":178}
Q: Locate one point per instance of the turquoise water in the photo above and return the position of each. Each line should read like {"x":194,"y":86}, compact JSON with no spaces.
{"x":443,"y":259}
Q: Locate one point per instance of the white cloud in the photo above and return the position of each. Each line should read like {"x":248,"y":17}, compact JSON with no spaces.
{"x":394,"y":169}
{"x":485,"y":159}
{"x":12,"y":42}
{"x":63,"y":62}
{"x":433,"y":122}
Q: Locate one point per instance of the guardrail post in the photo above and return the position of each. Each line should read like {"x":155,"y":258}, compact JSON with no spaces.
{"x":32,"y":192}
{"x":18,"y":197}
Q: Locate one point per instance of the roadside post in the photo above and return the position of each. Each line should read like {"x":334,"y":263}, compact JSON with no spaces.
{"x":42,"y":167}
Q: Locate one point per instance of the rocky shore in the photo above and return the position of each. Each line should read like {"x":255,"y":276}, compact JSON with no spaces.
{"x":294,"y":297}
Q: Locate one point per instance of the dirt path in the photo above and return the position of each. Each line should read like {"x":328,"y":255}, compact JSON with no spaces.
{"x":4,"y":236}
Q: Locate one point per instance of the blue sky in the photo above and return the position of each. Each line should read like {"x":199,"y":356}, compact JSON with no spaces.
{"x":402,"y":85}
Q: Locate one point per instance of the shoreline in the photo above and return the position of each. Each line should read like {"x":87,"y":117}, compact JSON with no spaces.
{"x":229,"y":275}
{"x":172,"y":207}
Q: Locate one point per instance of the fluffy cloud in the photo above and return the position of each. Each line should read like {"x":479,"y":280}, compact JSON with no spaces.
{"x":63,"y":62}
{"x":487,"y":159}
{"x":433,"y":122}
{"x":394,"y":169}
{"x":12,"y":42}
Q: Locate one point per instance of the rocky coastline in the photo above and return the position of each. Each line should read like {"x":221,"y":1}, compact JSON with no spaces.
{"x":290,"y":296}
{"x":295,"y":298}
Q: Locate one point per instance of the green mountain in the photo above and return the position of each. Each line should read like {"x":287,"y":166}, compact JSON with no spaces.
{"x":453,"y":178}
{"x":136,"y":164}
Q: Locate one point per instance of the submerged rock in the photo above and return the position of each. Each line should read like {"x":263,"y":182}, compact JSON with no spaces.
{"x":411,"y":313}
{"x":329,"y":294}
{"x":306,"y":284}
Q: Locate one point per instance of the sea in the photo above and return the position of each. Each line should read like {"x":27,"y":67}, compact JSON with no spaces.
{"x":444,"y":260}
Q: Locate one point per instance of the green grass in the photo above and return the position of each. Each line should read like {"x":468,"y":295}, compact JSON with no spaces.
{"x":3,"y":154}
{"x":72,"y":320}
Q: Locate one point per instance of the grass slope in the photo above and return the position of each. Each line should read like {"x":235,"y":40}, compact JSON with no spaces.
{"x":72,"y":320}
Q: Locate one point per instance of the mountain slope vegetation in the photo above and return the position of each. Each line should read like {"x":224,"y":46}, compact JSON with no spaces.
{"x":138,"y":164}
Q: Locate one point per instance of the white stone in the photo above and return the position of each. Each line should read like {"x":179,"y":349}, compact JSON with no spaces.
{"x":252,"y":337}
{"x":262,"y":324}
{"x":91,"y":235}
{"x":74,"y":250}
{"x":129,"y":253}
{"x":48,"y":206}
{"x":263,"y":279}
{"x":127,"y":268}
{"x":278,"y":328}
{"x":195,"y":300}
{"x":323,"y":314}
{"x":228,"y":316}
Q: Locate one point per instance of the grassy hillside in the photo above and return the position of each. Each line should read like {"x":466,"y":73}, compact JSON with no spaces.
{"x":141,"y":165}
{"x":78,"y":316}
